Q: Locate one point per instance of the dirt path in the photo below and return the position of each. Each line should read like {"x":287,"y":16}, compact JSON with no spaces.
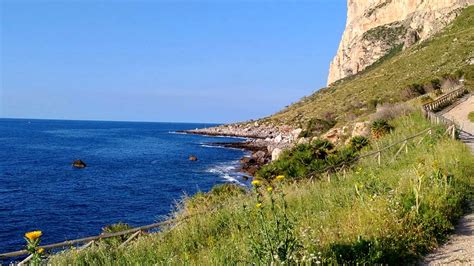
{"x":460,"y":112}
{"x":459,"y":250}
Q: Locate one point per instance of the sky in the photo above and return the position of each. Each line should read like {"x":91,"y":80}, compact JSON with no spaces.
{"x":171,"y":61}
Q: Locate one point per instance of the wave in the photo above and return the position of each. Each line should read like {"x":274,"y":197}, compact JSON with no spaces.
{"x":230,"y":173}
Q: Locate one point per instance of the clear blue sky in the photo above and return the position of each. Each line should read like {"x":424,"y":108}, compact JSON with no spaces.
{"x":182,"y":61}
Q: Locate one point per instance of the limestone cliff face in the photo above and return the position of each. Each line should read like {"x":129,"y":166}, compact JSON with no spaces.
{"x":375,"y":27}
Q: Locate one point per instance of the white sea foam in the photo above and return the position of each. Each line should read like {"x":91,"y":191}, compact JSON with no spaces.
{"x":229,"y":173}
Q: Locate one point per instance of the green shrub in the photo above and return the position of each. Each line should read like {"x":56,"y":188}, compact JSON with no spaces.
{"x":433,"y":85}
{"x":308,"y":159}
{"x":412,"y":91}
{"x":316,"y":127}
{"x":438,"y":92}
{"x":113,"y":228}
{"x":379,"y":128}
{"x":372,"y":104}
{"x":470,"y":116}
{"x":426,"y":99}
{"x":358,"y":142}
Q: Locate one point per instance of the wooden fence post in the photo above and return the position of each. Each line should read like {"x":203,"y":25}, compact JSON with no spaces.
{"x":25,"y":261}
{"x":87,"y":245}
{"x":130,"y":239}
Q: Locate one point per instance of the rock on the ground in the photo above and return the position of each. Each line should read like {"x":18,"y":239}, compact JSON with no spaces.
{"x":276,"y":154}
{"x":361,"y":129}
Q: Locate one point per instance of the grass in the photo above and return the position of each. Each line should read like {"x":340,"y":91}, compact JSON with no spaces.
{"x":470,"y":116}
{"x":349,"y":99}
{"x":392,"y":213}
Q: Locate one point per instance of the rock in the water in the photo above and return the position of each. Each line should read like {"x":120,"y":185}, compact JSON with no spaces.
{"x":193,"y":158}
{"x":79,"y":164}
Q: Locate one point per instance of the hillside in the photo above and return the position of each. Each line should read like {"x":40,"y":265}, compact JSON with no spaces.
{"x":348,"y":99}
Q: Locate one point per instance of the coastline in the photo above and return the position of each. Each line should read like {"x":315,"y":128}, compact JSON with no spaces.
{"x":264,"y":142}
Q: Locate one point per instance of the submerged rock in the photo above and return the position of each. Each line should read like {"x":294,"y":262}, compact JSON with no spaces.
{"x":79,"y":164}
{"x":193,"y":158}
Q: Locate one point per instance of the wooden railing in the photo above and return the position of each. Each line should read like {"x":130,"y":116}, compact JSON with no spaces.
{"x":444,"y":100}
{"x":90,"y":240}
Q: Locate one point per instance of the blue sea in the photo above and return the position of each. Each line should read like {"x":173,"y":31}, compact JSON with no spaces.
{"x":136,"y":173}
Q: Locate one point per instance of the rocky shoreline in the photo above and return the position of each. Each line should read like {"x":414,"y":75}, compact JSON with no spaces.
{"x":267,"y":142}
{"x":264,"y":142}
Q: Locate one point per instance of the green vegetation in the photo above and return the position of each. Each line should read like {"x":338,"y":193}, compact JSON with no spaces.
{"x":389,"y":213}
{"x":316,"y":127}
{"x":308,"y":159}
{"x":379,"y":128}
{"x":115,"y":241}
{"x":446,"y":52}
{"x":471,"y":117}
{"x":388,"y":34}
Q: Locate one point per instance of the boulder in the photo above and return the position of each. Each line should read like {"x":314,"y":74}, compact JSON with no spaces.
{"x":276,"y":153}
{"x":79,"y":164}
{"x":259,"y":154}
{"x":333,"y":135}
{"x":193,"y":158}
{"x":247,"y":160}
{"x":361,"y":129}
{"x":278,"y":138}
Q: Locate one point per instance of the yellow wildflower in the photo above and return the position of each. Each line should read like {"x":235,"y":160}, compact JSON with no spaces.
{"x":40,"y":250}
{"x":280,"y":177}
{"x":256,"y":182}
{"x":33,"y":235}
{"x":258,"y":205}
{"x":269,"y":189}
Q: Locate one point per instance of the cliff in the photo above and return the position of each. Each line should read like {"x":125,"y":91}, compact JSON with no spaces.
{"x":376,"y":27}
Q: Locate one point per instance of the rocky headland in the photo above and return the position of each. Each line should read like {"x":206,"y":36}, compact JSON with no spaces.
{"x":375,"y":27}
{"x":265,"y":142}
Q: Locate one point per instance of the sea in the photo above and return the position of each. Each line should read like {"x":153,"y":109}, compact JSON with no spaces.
{"x":137,"y":173}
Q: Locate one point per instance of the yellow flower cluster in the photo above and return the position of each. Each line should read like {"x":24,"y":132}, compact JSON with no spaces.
{"x":269,"y":189}
{"x":280,"y":177}
{"x":33,"y":235}
{"x":258,"y":205}
{"x":256,"y":182}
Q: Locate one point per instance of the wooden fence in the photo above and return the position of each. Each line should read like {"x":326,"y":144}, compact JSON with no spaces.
{"x":89,"y":241}
{"x":444,"y":100}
